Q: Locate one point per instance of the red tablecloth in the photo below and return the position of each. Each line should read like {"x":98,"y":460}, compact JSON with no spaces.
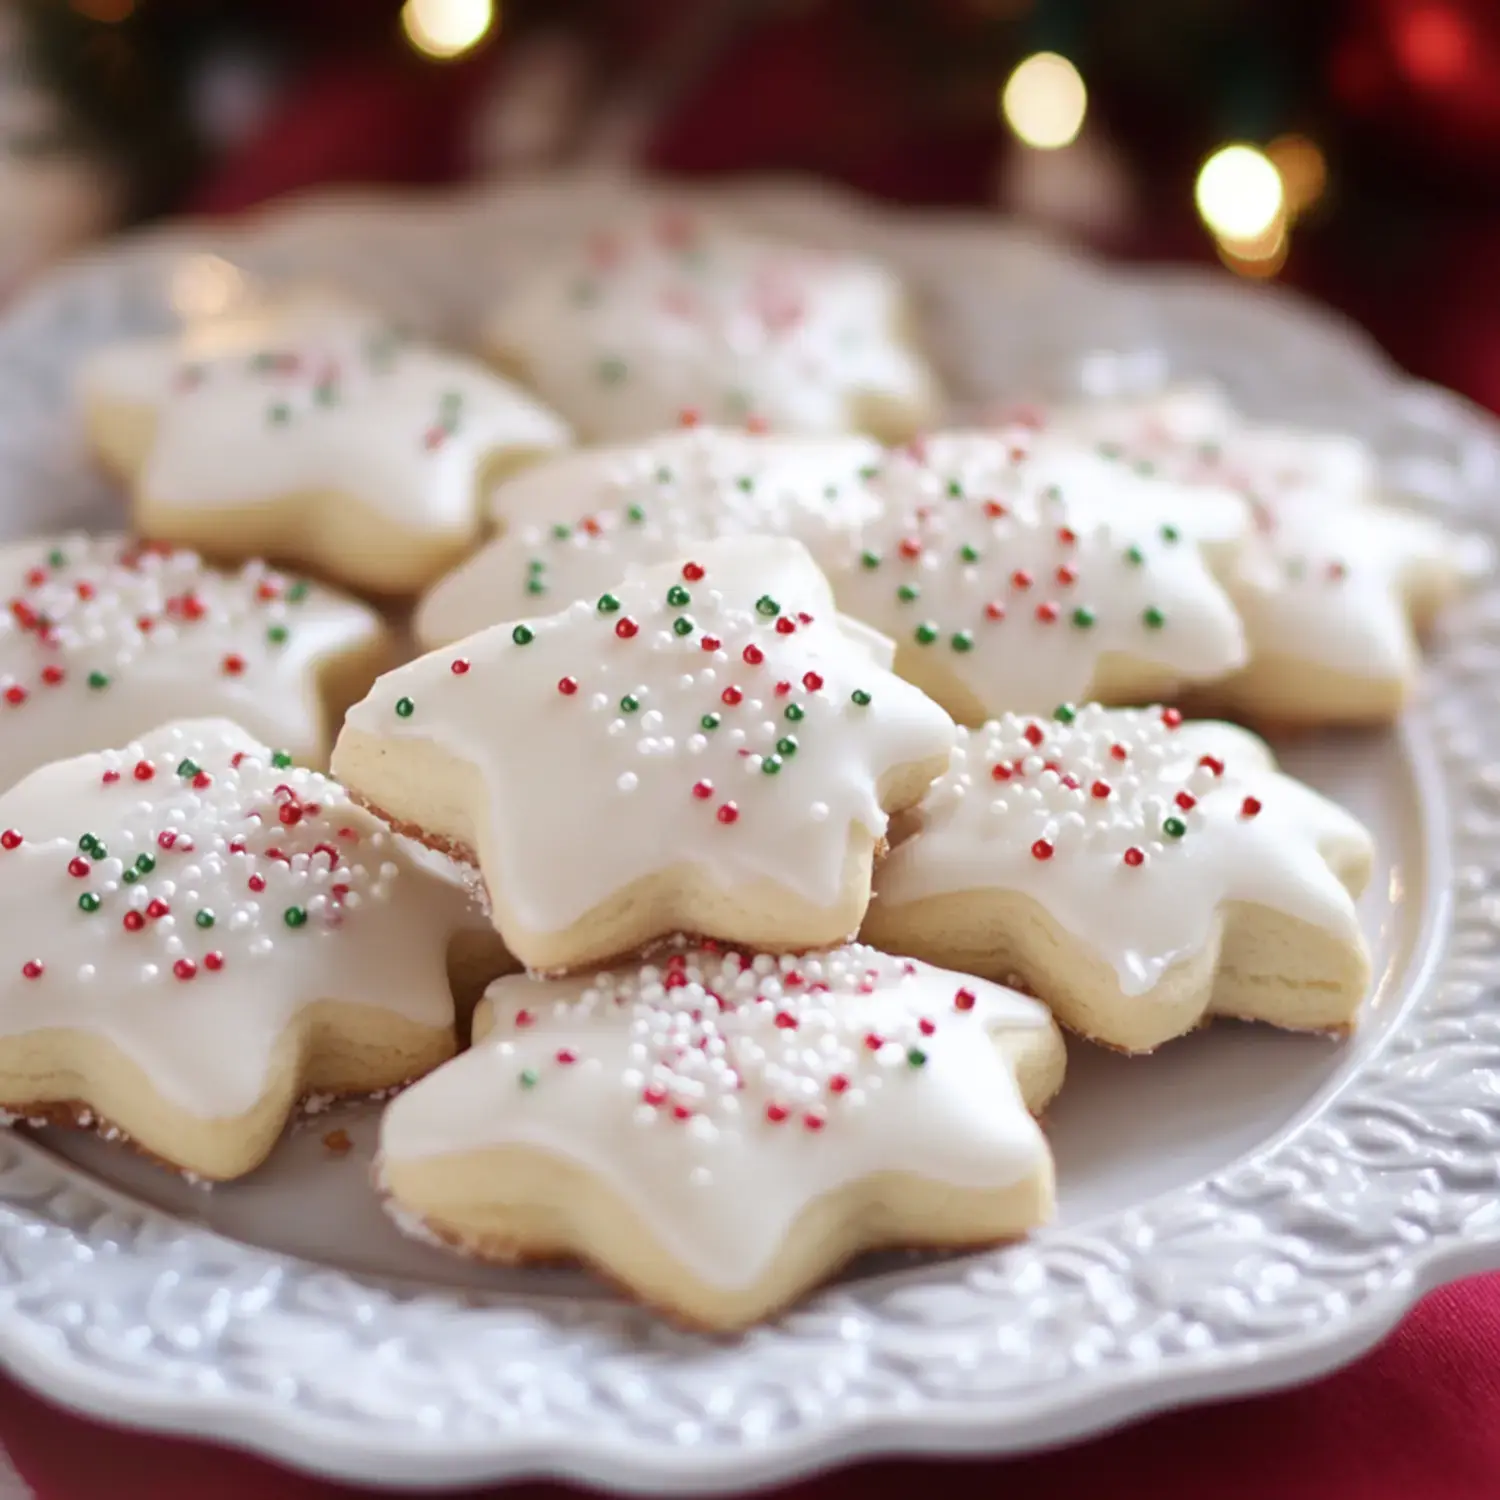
{"x":1419,"y":1419}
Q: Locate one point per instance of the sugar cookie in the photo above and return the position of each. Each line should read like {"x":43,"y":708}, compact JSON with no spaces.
{"x":700,"y":749}
{"x":1009,"y":580}
{"x":104,"y":638}
{"x":670,"y":310}
{"x":313,"y":433}
{"x":575,"y":524}
{"x":202,"y":934}
{"x":1336,"y":581}
{"x":719,"y":1133}
{"x":1137,"y":872}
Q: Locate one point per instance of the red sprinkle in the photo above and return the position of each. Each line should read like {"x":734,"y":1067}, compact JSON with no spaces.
{"x":811,"y":681}
{"x":703,"y":790}
{"x":10,"y":839}
{"x":753,"y":655}
{"x":78,"y":868}
{"x":1119,"y":752}
{"x":731,"y":695}
{"x":1067,"y":574}
{"x":1186,"y":801}
{"x":910,"y":547}
{"x":566,"y":1055}
{"x":625,"y":627}
{"x":144,"y":770}
{"x":567,"y":686}
{"x":994,"y":610}
{"x":15,"y":696}
{"x":1047,"y":613}
{"x":994,"y":509}
{"x":157,"y":909}
{"x":786,"y":1020}
{"x":1250,"y":807}
{"x":32,"y":969}
{"x":110,"y":777}
{"x":185,"y":968}
{"x":838,"y":1084}
{"x":963,"y":1000}
{"x":1066,"y":535}
{"x":814,"y":1119}
{"x":1135,"y":857}
{"x":233,"y":665}
{"x":776,"y":1113}
{"x":1034,"y":734}
{"x":692,"y":571}
{"x":925,"y":1026}
{"x":681,"y":1112}
{"x":1042,"y":849}
{"x":1020,"y":579}
{"x":785,"y":625}
{"x":1100,"y":789}
{"x":1212,"y":763}
{"x":202,"y":780}
{"x":524,"y":1018}
{"x":728,"y":813}
{"x":874,"y":1041}
{"x":654,"y":1094}
{"x":459,"y":665}
{"x":257,"y":882}
{"x":133,"y":921}
{"x":710,"y":642}
{"x":689,"y":416}
{"x":52,"y":675}
{"x":213,"y":961}
{"x":1171,"y":717}
{"x":1002,"y":770}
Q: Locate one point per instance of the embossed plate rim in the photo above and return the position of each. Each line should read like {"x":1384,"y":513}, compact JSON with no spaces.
{"x":1387,"y":1188}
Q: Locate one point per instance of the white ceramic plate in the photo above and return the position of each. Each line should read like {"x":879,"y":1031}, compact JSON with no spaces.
{"x":1243,"y":1210}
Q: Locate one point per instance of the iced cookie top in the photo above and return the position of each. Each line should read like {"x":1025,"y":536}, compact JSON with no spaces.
{"x":103,"y":638}
{"x":188,"y":895}
{"x":720,"y":1094}
{"x":667,"y":310}
{"x":710,"y":715}
{"x":577,"y":523}
{"x":1022,"y":574}
{"x":1131,"y":828}
{"x":314,"y":396}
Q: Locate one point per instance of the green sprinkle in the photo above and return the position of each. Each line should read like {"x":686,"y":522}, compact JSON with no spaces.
{"x":795,"y":712}
{"x":916,"y":1057}
{"x":611,"y":371}
{"x":1134,"y":556}
{"x":767,"y":606}
{"x":925,"y":633}
{"x":1152,"y":618}
{"x":677,"y":596}
{"x":294,"y":916}
{"x":787,"y":745}
{"x":562,"y":531}
{"x":277,"y":634}
{"x":536,"y":565}
{"x":861,"y":697}
{"x":709,"y":722}
{"x":1052,"y":494}
{"x":145,"y":864}
{"x":1110,"y":450}
{"x":326,"y":393}
{"x":204,"y":918}
{"x":634,"y":514}
{"x":99,"y":851}
{"x":629,"y":703}
{"x":280,"y":414}
{"x":527,"y":1078}
{"x":97,"y":681}
{"x":908,"y":592}
{"x":1174,"y":828}
{"x":405,"y":708}
{"x":870,"y":471}
{"x":129,"y":876}
{"x":523,"y":635}
{"x":1064,"y":713}
{"x":297,"y":592}
{"x":830,"y":492}
{"x":745,"y":482}
{"x":584,"y":293}
{"x":1170,"y":534}
{"x":1083,"y":617}
{"x":969,"y":554}
{"x":955,"y":489}
{"x":281,"y":759}
{"x":962,"y":641}
{"x":57,"y":558}
{"x":88,"y":843}
{"x":187,"y":768}
{"x":1145,"y":467}
{"x":451,"y":402}
{"x":88,"y":901}
{"x":608,"y":604}
{"x":536,"y":585}
{"x":771,"y":765}
{"x":664,"y":475}
{"x":683,"y":625}
{"x":869,"y":559}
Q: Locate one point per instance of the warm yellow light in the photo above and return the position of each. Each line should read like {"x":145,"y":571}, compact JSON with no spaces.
{"x":1262,"y":257}
{"x":1044,"y":101}
{"x":1239,"y":193}
{"x":446,"y":28}
{"x":1304,"y":172}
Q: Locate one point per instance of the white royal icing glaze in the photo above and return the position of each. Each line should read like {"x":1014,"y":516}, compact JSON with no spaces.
{"x":667,"y":310}
{"x":314,"y":396}
{"x":1130,"y":828}
{"x":720,"y":1096}
{"x":103,"y":638}
{"x":580,"y":522}
{"x":225,"y":898}
{"x":1322,"y":578}
{"x":589,"y":730}
{"x":1023,"y":573}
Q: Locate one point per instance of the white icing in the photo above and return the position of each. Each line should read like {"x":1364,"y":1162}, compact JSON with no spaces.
{"x":178,"y":845}
{"x":585,"y":795}
{"x":578,"y":523}
{"x":1022,"y":573}
{"x":102,"y":639}
{"x":315,"y":397}
{"x":720,"y":1096}
{"x":666,"y":310}
{"x":982,"y":830}
{"x":1324,"y":576}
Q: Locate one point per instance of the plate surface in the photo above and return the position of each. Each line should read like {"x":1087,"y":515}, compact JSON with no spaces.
{"x":1243,"y":1210}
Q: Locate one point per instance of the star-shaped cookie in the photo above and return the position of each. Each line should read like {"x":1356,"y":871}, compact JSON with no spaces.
{"x":1137,"y":872}
{"x":670,"y":309}
{"x":718,"y":1132}
{"x":702,"y":749}
{"x":103,"y":638}
{"x":1009,"y":580}
{"x":201,"y":934}
{"x":1336,"y":582}
{"x":573,"y":525}
{"x":312,"y":433}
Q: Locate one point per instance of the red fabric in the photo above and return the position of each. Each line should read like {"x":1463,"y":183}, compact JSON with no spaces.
{"x":1420,"y":1417}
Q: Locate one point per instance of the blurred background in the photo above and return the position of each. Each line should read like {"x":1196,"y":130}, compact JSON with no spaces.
{"x":1350,"y":149}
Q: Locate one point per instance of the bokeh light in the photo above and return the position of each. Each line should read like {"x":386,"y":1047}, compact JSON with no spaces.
{"x":1239,"y":193}
{"x":447,"y":28}
{"x":1303,"y":168}
{"x":1044,"y":101}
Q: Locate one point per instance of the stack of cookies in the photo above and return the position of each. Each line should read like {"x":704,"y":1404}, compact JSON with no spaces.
{"x":776,"y":776}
